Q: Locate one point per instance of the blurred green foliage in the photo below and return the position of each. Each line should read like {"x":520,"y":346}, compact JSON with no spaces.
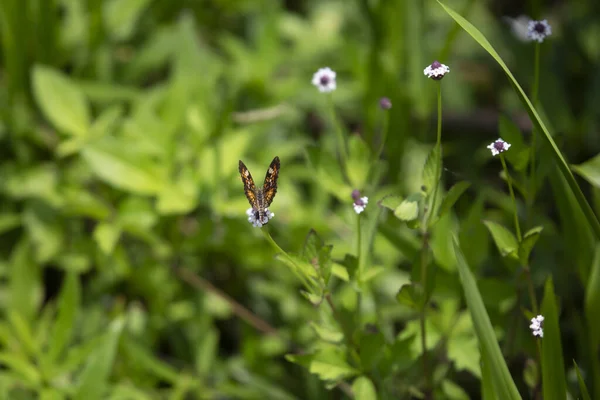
{"x":128,"y":268}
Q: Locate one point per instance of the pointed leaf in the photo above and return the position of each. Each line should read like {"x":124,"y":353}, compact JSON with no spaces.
{"x":106,"y":236}
{"x":391,"y":202}
{"x":585,"y":394}
{"x":123,"y":169}
{"x":431,"y":170}
{"x":408,"y":210}
{"x":553,"y":372}
{"x":504,"y":239}
{"x":504,"y":385}
{"x":68,"y":307}
{"x":61,"y":101}
{"x":590,"y":170}
{"x":93,"y":381}
{"x":363,"y":389}
{"x":592,"y":302}
{"x":452,"y":197}
{"x":529,"y":240}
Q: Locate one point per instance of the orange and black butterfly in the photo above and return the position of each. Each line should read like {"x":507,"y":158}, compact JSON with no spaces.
{"x":260,"y":199}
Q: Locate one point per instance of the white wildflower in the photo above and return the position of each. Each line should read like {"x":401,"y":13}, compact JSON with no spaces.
{"x":536,"y":326}
{"x":498,"y":147}
{"x":324,"y":80}
{"x":436,"y":70}
{"x":538,"y":30}
{"x":258,"y":220}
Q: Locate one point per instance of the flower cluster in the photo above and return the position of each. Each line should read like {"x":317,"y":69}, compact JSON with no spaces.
{"x":256,"y":219}
{"x":538,"y":30}
{"x":436,"y":70}
{"x":537,"y":326}
{"x":498,"y":147}
{"x":324,"y":80}
{"x":360,"y":203}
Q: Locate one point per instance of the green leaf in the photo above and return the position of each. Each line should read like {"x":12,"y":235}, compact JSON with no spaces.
{"x":364,"y":389}
{"x":452,"y":197}
{"x":529,"y":240}
{"x":590,"y":170}
{"x":330,"y":365}
{"x":318,"y":254}
{"x":372,"y":348}
{"x":106,"y":235}
{"x":121,"y":17}
{"x":488,"y":389}
{"x":23,"y":332}
{"x":93,"y":381}
{"x":327,"y":334}
{"x":410,"y":295}
{"x":504,"y":385}
{"x":391,"y":202}
{"x":123,"y":169}
{"x":582,"y":388}
{"x":504,"y":239}
{"x":68,"y":307}
{"x":431,"y":170}
{"x":9,"y":222}
{"x":535,"y":118}
{"x":43,"y":225}
{"x":408,"y":210}
{"x":61,"y":101}
{"x":22,"y":367}
{"x":553,"y":373}
{"x":592,"y":302}
{"x":25,"y":293}
{"x":141,"y":356}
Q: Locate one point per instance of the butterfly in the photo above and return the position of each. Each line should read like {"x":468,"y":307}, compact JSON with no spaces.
{"x":260,"y":199}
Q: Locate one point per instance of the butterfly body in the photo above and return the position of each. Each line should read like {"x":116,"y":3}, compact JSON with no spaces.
{"x":260,"y":198}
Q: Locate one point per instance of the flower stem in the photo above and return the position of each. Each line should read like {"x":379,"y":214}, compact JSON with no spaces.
{"x":359,"y":247}
{"x":342,"y":148}
{"x":512,"y":196}
{"x":439,"y":146}
{"x":290,"y":260}
{"x":534,"y":99}
{"x":384,"y":132}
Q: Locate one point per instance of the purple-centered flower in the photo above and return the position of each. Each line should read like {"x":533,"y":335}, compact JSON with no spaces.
{"x":436,"y":70}
{"x":324,"y":80}
{"x":538,"y":30}
{"x":498,"y":147}
{"x":360,"y":203}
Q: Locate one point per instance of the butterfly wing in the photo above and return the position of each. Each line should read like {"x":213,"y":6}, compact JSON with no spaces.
{"x":270,"y":185}
{"x":249,"y":187}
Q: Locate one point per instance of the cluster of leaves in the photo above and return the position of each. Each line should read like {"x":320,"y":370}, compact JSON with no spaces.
{"x":129,"y":269}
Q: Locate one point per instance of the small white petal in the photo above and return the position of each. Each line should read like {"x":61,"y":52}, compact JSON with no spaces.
{"x":324,"y":80}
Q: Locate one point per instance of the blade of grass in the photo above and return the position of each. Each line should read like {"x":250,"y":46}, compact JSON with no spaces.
{"x":535,"y":118}
{"x":585,"y":394}
{"x":553,"y":371}
{"x":503,"y":383}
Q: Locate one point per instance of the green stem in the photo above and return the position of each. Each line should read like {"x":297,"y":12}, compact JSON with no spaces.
{"x":512,"y":196}
{"x":342,"y":148}
{"x":532,"y":298}
{"x":296,"y":269}
{"x":439,"y":146}
{"x":534,"y":99}
{"x":359,"y":248}
{"x":384,"y":132}
{"x":424,"y":250}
